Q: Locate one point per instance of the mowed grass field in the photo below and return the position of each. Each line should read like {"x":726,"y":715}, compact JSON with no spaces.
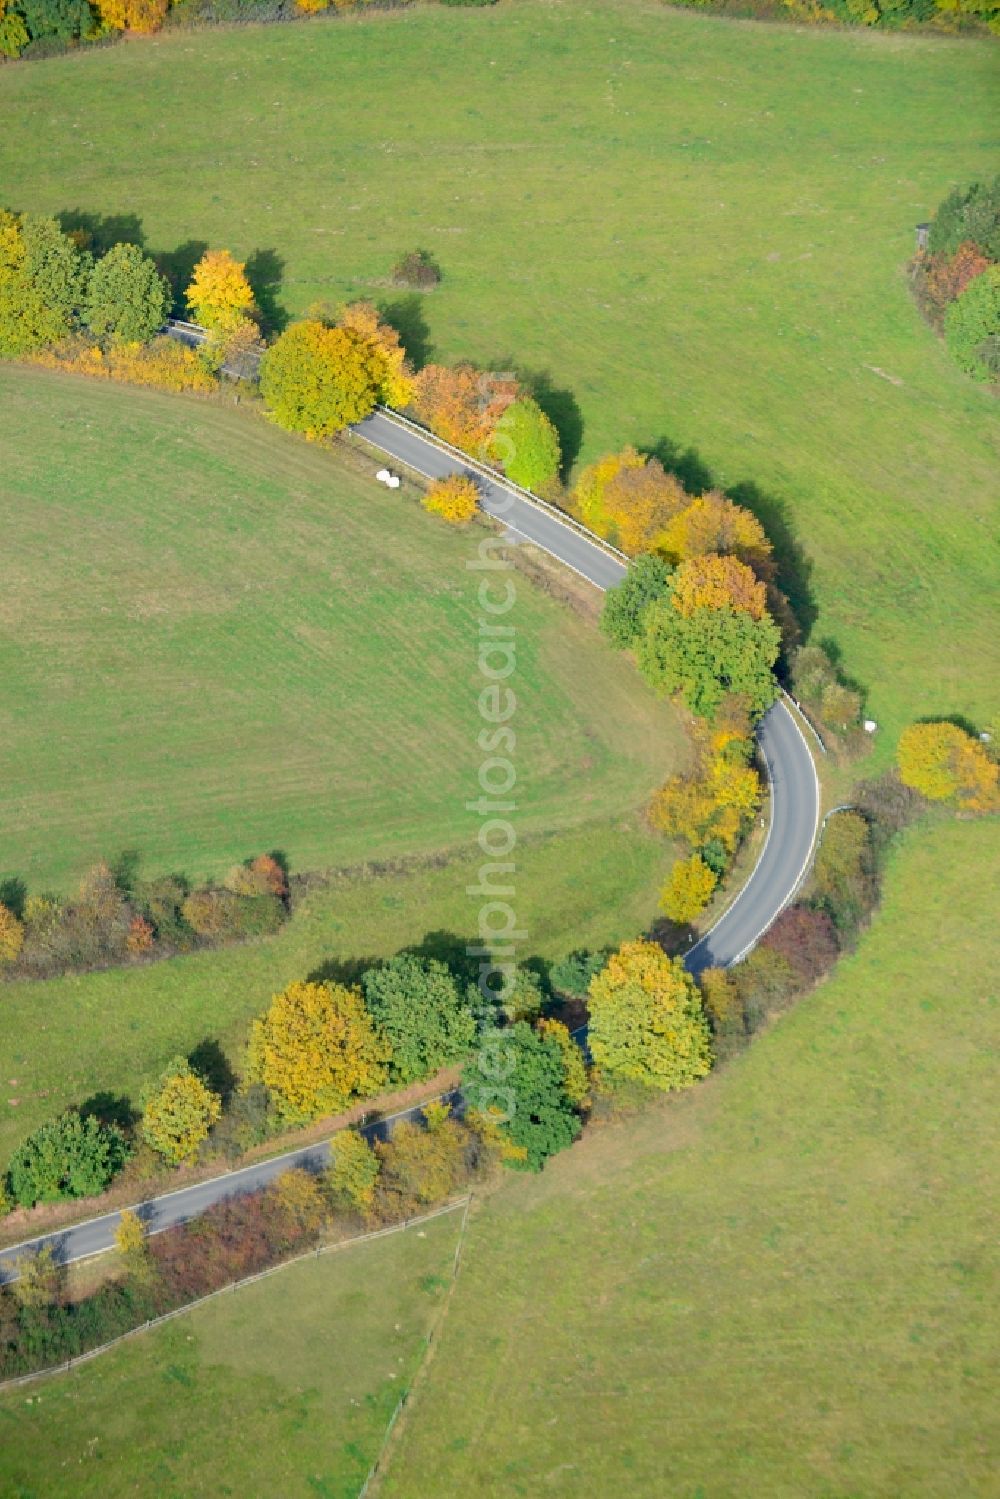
{"x":219,"y":640}
{"x":285,"y":1387}
{"x":64,"y":1039}
{"x":696,"y":227}
{"x":781,"y":1282}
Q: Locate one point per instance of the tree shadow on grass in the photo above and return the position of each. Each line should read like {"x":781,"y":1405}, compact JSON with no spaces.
{"x":406,"y":315}
{"x":99,"y":231}
{"x":110,"y":1108}
{"x":265,"y":271}
{"x":210,"y":1062}
{"x":561,"y":408}
{"x":178,"y":267}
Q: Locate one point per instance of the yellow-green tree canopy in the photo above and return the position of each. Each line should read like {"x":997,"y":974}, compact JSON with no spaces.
{"x":179,"y":1113}
{"x":646,"y":1019}
{"x":316,"y":1049}
{"x":318,"y":380}
{"x":944,"y":763}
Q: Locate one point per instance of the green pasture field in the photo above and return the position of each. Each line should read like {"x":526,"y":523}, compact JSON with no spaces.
{"x":780,"y":1283}
{"x":695,"y":228}
{"x":284,"y":1387}
{"x":219,"y":639}
{"x":63,"y":1040}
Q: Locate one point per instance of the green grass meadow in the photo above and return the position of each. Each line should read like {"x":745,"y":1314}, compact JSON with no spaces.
{"x":284,"y":1387}
{"x":780,"y":1283}
{"x":219,"y":639}
{"x":696,"y":227}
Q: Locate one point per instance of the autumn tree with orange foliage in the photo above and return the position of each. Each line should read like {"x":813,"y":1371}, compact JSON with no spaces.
{"x":587,"y":499}
{"x":140,"y":16}
{"x":639,"y":501}
{"x":714,"y":582}
{"x":715,"y":523}
{"x":463,"y":405}
{"x":315,"y":1050}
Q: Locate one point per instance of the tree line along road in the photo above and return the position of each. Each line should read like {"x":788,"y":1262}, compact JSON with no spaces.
{"x":780,"y":869}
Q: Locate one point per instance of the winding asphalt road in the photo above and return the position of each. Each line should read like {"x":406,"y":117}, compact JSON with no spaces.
{"x":794,"y":820}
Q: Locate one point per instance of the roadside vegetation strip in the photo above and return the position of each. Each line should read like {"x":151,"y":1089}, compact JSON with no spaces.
{"x":310,"y":1362}
{"x":236,"y":1285}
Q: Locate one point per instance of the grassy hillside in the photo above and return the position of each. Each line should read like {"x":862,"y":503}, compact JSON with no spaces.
{"x":219,"y":640}
{"x":64,"y":1039}
{"x":697,"y":227}
{"x":779,"y":1284}
{"x":285,"y":1387}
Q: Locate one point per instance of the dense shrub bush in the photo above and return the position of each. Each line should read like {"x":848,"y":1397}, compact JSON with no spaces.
{"x":968,"y":215}
{"x":455,"y":499}
{"x":972,"y":327}
{"x":417,"y":269}
{"x":70,"y":1156}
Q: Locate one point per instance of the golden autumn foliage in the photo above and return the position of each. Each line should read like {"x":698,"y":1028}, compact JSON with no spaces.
{"x":317,"y":380}
{"x":316,"y":1049}
{"x":140,"y":16}
{"x":688,"y":889}
{"x":455,"y":499}
{"x":353,"y":1171}
{"x":646,"y":1019}
{"x":715,"y":523}
{"x":575,"y":1080}
{"x":716,"y":582}
{"x":590,"y":488}
{"x":394,"y":376}
{"x":723,"y":792}
{"x":130,"y":1236}
{"x":11,"y":935}
{"x":298,"y":1196}
{"x":178,"y":1115}
{"x":164,"y":363}
{"x":944,"y":763}
{"x":463,"y":404}
{"x":219,"y":296}
{"x":639,"y":502}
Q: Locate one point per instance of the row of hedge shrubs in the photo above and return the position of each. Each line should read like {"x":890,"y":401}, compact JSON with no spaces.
{"x":32,"y":29}
{"x":885,"y":15}
{"x":956,"y":278}
{"x":116,"y":918}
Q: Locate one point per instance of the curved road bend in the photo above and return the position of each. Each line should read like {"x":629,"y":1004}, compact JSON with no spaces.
{"x":775,"y":878}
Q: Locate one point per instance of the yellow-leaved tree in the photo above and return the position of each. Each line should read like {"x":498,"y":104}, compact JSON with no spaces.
{"x":179,"y":1112}
{"x":394,"y":376}
{"x":315,"y":1050}
{"x":455,"y":499}
{"x":646,"y":1019}
{"x":353,"y":1172}
{"x":944,"y":763}
{"x":575,"y":1080}
{"x":715,"y":523}
{"x":717,"y":582}
{"x":220,"y":297}
{"x":688,"y":889}
{"x":11,"y":935}
{"x":590,"y":488}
